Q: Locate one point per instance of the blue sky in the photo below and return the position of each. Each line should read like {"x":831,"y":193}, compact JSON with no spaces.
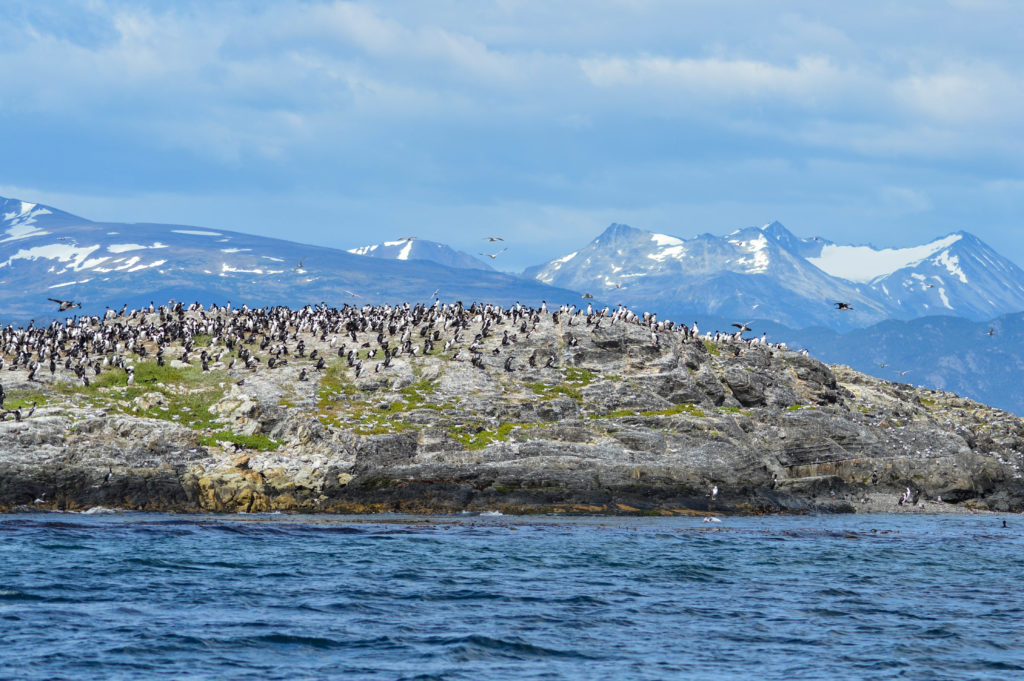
{"x":343,"y":123}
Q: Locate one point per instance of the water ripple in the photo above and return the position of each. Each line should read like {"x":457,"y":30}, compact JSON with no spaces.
{"x":131,"y":595}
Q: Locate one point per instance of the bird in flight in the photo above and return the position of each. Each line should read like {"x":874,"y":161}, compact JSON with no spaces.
{"x":492,"y":256}
{"x":434,"y":294}
{"x":743,"y":327}
{"x":903,"y":373}
{"x":843,"y":306}
{"x":349,"y":293}
{"x":65,"y":304}
{"x":587,"y":295}
{"x":991,"y":332}
{"x":299,"y":266}
{"x":493,"y":238}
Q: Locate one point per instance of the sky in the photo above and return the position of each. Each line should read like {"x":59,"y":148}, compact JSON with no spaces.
{"x":348,"y":123}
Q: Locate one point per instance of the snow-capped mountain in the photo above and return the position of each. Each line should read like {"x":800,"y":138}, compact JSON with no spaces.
{"x":47,"y":253}
{"x":768,"y":273}
{"x":744,"y":275}
{"x":957,"y":274}
{"x":421,"y":249}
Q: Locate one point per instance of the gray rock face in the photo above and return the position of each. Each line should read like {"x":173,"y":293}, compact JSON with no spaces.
{"x":616,"y":423}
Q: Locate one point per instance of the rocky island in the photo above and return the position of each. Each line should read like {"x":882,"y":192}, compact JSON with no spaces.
{"x":452,"y":407}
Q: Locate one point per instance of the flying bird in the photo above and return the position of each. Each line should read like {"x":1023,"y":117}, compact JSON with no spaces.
{"x":991,"y":332}
{"x":587,"y":295}
{"x":843,"y":306}
{"x":493,"y":238}
{"x":299,"y":266}
{"x":743,"y":327}
{"x":65,"y":304}
{"x":350,"y":293}
{"x":492,"y":256}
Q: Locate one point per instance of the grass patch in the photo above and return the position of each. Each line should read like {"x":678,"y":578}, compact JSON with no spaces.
{"x":684,"y":408}
{"x":333,"y":384}
{"x":712,"y":348}
{"x":23,"y":399}
{"x":258,"y":442}
{"x":619,"y":413}
{"x":186,"y":393}
{"x":550,"y":392}
{"x":476,"y":439}
{"x":578,"y":376}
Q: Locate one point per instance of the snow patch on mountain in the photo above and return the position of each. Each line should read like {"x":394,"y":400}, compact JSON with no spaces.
{"x":553,"y":267}
{"x":759,"y":261}
{"x":404,"y":253}
{"x":863,"y":264}
{"x":70,"y":283}
{"x":666,"y":240}
{"x":123,"y":248}
{"x":65,"y":253}
{"x":196,"y":232}
{"x":21,"y":222}
{"x":952,"y":265}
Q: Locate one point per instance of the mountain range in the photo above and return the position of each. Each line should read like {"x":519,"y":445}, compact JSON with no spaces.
{"x":47,"y":253}
{"x":947,"y":314}
{"x":768,"y":273}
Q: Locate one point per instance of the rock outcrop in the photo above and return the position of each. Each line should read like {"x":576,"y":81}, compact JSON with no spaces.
{"x":569,"y":417}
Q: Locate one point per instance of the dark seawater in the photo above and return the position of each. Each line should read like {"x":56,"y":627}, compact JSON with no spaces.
{"x":147,"y":596}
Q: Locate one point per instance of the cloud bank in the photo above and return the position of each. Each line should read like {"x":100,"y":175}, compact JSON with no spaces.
{"x":320,"y":119}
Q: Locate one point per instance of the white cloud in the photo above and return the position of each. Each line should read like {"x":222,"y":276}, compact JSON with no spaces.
{"x":713,"y":77}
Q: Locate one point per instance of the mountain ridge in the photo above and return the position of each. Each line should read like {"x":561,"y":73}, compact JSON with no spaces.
{"x":792,"y":280}
{"x":47,"y":253}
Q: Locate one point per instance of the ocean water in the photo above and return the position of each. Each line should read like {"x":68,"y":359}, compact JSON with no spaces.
{"x":149,"y":596}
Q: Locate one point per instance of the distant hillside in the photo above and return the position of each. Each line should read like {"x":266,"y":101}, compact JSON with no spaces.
{"x":421,"y":249}
{"x":47,"y":253}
